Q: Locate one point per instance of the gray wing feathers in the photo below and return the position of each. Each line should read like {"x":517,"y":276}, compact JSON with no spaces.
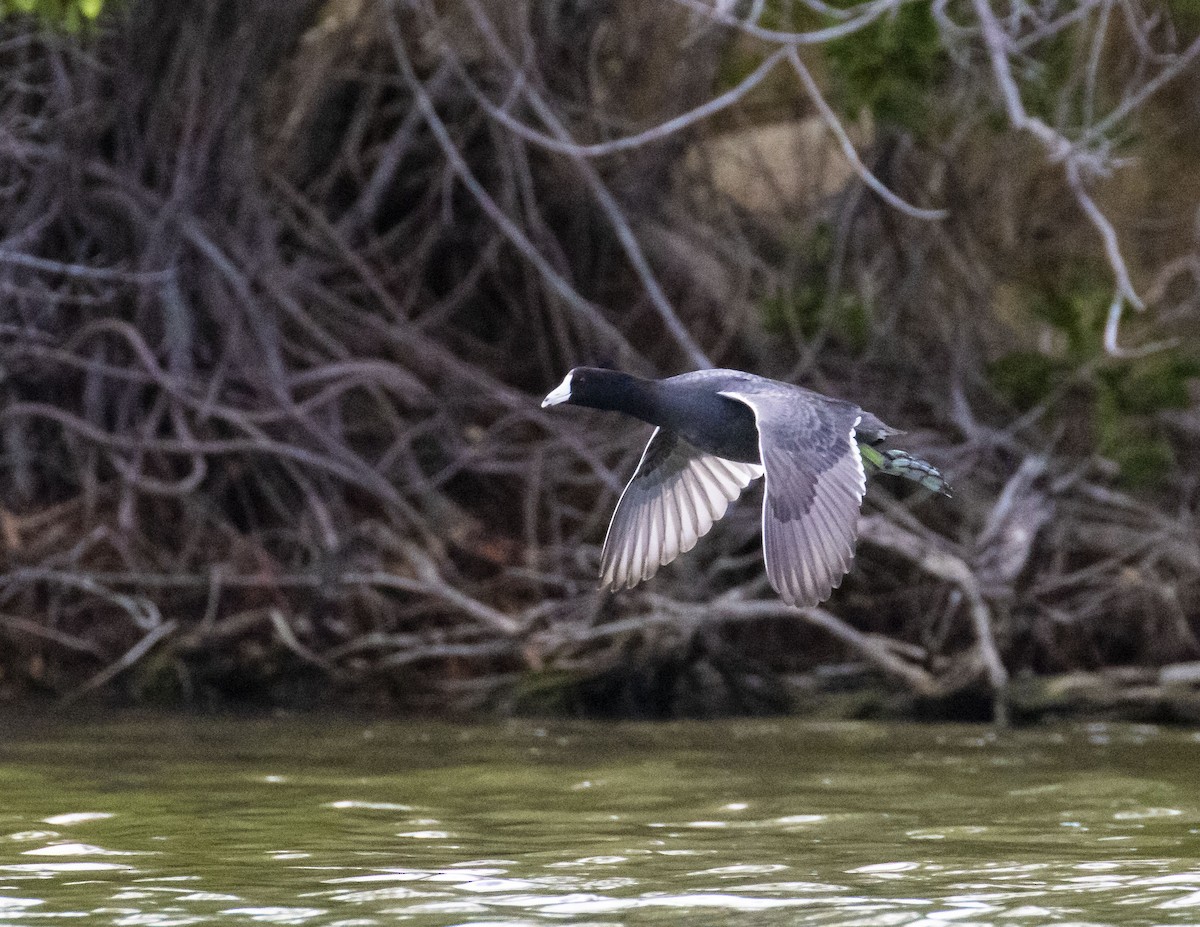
{"x":673,"y":499}
{"x":815,"y":485}
{"x":811,"y":554}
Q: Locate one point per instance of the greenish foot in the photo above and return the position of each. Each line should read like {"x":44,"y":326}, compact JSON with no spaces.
{"x":900,"y":463}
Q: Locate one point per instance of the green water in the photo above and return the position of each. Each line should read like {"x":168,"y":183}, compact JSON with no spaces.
{"x":182,"y":821}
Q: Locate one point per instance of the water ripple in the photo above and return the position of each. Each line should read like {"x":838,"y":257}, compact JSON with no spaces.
{"x":758,"y":825}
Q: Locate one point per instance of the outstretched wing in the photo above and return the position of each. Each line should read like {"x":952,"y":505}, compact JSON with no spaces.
{"x":675,"y":496}
{"x":815,"y":485}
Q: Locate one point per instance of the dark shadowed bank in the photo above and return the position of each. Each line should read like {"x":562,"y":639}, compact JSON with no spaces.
{"x":282,"y":283}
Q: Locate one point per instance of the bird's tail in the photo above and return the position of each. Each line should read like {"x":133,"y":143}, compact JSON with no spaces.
{"x":900,"y":463}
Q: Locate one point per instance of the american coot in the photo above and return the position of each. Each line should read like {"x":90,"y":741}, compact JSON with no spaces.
{"x":717,"y":431}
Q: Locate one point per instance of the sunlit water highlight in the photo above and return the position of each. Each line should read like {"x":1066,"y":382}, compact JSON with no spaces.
{"x":176,"y":821}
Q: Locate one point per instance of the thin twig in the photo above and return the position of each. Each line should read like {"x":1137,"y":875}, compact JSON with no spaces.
{"x":17,"y":624}
{"x":131,"y":656}
{"x":1059,"y":148}
{"x":1135,"y":101}
{"x":839,"y":132}
{"x":612,"y":210}
{"x":858,"y":17}
{"x":657,"y":133}
{"x":512,"y":232}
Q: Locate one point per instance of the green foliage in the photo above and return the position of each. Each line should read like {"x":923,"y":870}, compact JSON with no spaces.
{"x":1127,"y":394}
{"x":1076,"y":307}
{"x":891,"y":68}
{"x":801,"y":306}
{"x":1186,"y":15}
{"x":1147,"y":463}
{"x":1026,"y":378}
{"x":800,"y":309}
{"x":63,"y":14}
{"x":1133,"y":442}
{"x":791,"y":16}
{"x":1132,"y":392}
{"x":1044,"y":77}
{"x":1152,"y":384}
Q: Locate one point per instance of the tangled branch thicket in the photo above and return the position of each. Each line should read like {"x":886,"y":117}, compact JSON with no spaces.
{"x":283,"y":282}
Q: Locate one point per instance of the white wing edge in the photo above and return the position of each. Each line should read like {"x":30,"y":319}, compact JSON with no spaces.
{"x":686,"y":509}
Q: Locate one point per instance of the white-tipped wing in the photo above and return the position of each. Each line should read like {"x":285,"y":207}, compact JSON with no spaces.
{"x":815,"y":485}
{"x":676,"y":495}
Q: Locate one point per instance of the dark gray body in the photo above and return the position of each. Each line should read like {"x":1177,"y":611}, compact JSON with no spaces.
{"x":691,"y":406}
{"x":717,"y":424}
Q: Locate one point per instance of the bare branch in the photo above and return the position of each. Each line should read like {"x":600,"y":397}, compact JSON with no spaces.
{"x":132,"y":656}
{"x":616,"y":219}
{"x":953,"y":569}
{"x":1135,"y":101}
{"x":656,"y":133}
{"x":595,"y":318}
{"x":1112,"y":248}
{"x":862,"y":15}
{"x":847,"y":146}
{"x":1074,"y":158}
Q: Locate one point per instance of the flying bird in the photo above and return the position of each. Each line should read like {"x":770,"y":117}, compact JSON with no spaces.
{"x":717,"y":431}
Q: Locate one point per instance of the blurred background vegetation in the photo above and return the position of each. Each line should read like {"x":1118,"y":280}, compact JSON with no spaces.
{"x":57,"y":14}
{"x":284,"y":281}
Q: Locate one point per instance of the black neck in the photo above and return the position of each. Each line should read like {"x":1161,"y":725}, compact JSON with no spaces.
{"x":614,"y":391}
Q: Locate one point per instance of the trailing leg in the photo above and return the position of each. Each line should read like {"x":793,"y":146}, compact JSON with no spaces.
{"x":895,"y":462}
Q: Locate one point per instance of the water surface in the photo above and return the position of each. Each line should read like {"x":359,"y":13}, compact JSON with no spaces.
{"x":174,"y":821}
